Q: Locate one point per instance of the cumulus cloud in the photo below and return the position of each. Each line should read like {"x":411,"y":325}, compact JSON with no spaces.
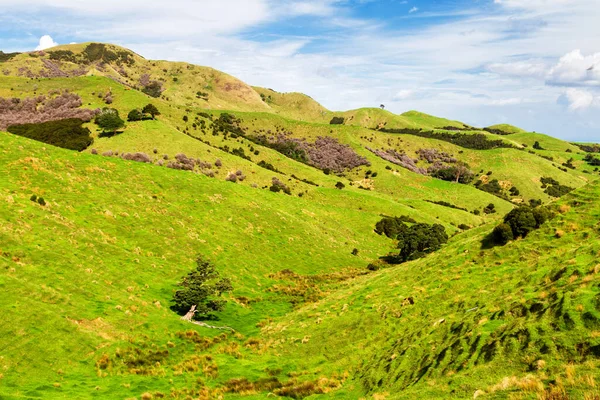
{"x":46,"y":42}
{"x":413,"y":10}
{"x":575,"y":69}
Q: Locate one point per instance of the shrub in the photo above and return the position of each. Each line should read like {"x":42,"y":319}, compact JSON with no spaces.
{"x":554,"y":188}
{"x":537,"y":146}
{"x":340,"y":185}
{"x":419,"y":239}
{"x":138,"y":157}
{"x":446,"y":204}
{"x":231,"y":178}
{"x":490,"y":209}
{"x":502,"y":234}
{"x":218,"y":163}
{"x":373,"y":267}
{"x":278,"y":186}
{"x":337,"y":121}
{"x":201,"y":288}
{"x":54,"y":107}
{"x":41,"y":201}
{"x":153,"y":89}
{"x":67,"y":133}
{"x":33,"y":198}
{"x":525,"y":219}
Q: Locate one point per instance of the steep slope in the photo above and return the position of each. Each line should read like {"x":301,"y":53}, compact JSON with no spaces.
{"x":520,"y":320}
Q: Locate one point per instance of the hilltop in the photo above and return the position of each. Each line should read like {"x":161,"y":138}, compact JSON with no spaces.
{"x":283,"y":196}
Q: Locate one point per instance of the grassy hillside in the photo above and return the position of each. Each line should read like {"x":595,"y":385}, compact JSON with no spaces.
{"x":520,"y":321}
{"x":87,"y":275}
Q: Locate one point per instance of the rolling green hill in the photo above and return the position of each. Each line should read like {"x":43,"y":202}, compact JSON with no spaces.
{"x":87,"y":275}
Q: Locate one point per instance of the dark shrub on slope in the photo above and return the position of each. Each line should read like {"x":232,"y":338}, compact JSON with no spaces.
{"x":66,"y":133}
{"x":477,"y":141}
{"x":518,"y":223}
{"x":420,"y":239}
{"x":390,"y":226}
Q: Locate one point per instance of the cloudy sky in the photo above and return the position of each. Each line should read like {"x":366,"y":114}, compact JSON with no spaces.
{"x":533,"y":63}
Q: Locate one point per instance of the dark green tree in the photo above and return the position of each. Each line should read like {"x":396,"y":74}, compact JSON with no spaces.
{"x":135,"y":115}
{"x":109,"y":120}
{"x":502,"y":234}
{"x":340,"y":185}
{"x":201,"y":288}
{"x":151,"y":110}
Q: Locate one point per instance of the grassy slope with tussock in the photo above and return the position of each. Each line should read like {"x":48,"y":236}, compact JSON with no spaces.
{"x":515,"y":319}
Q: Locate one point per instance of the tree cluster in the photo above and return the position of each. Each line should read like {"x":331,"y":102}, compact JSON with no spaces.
{"x":519,"y":223}
{"x":65,"y":133}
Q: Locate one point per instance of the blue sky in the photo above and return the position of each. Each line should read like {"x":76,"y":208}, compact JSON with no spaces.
{"x":532,"y":63}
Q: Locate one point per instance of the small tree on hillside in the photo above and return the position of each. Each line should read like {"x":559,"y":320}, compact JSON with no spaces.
{"x":382,"y":106}
{"x":135,"y":115}
{"x":201,"y":290}
{"x":151,"y":110}
{"x":109,"y":120}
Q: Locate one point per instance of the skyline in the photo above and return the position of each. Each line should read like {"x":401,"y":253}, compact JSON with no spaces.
{"x":534,"y":64}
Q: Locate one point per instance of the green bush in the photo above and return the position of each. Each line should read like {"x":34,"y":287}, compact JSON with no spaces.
{"x":390,"y":226}
{"x":66,"y":133}
{"x":420,"y":239}
{"x":502,"y":234}
{"x":337,"y":121}
{"x":519,"y":222}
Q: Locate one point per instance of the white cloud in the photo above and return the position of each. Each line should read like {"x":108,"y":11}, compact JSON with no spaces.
{"x":403,"y":95}
{"x":45,"y":43}
{"x":533,"y":4}
{"x":519,"y":69}
{"x":579,"y":100}
{"x":413,"y":10}
{"x":575,"y":69}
